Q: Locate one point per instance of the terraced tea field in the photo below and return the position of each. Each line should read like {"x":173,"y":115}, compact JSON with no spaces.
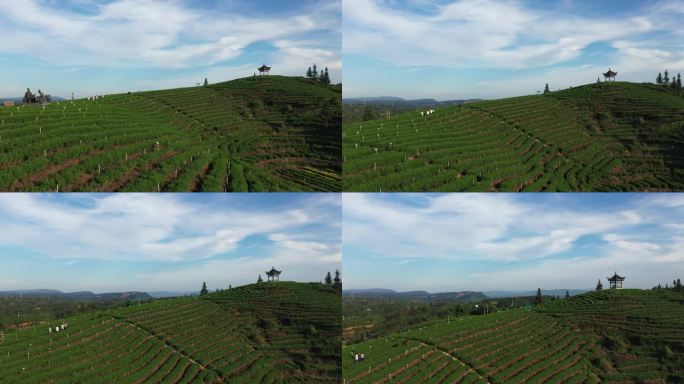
{"x":269,"y":133}
{"x":599,"y":137}
{"x":607,"y":336}
{"x":261,"y":333}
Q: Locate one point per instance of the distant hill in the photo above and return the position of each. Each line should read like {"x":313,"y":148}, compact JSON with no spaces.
{"x":611,"y":336}
{"x":84,"y":295}
{"x":263,"y":133}
{"x":616,"y":136}
{"x":545,"y":292}
{"x":282,"y":332}
{"x":464,"y":296}
{"x":389,"y":100}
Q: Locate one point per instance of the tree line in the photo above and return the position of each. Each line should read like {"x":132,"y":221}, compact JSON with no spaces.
{"x":314,"y":74}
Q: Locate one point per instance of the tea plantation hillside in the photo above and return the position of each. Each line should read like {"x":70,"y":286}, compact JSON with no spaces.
{"x":264,"y":133}
{"x":600,"y":137}
{"x":281,"y":332}
{"x":626,"y":336}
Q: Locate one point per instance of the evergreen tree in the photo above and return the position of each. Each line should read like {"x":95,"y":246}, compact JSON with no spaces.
{"x":660,"y":286}
{"x":546,"y":89}
{"x":259,"y":280}
{"x":598,"y":80}
{"x":230,"y":286}
{"x":325,"y":77}
{"x":538,"y":299}
{"x":666,"y":78}
{"x":314,"y":73}
{"x":309,"y":73}
{"x":567,"y":294}
{"x":599,"y":286}
{"x":337,"y":281}
{"x":368,"y":113}
{"x":679,"y":82}
{"x":204,"y":290}
{"x":328,"y":279}
{"x":206,"y":82}
{"x":659,"y":79}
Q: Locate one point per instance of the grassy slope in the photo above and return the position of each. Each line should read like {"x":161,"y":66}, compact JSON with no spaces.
{"x":606,"y":137}
{"x":270,"y":133}
{"x":629,"y":336}
{"x":265,"y":333}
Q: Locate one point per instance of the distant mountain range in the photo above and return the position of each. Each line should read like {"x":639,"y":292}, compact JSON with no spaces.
{"x":381,"y":293}
{"x":545,"y":292}
{"x":84,"y":295}
{"x":398,"y":101}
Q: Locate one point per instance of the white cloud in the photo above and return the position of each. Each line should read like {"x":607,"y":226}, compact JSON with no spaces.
{"x":153,"y":33}
{"x":147,"y":227}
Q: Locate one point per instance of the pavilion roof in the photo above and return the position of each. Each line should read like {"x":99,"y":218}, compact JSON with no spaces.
{"x":264,"y":67}
{"x":616,"y":277}
{"x":610,"y":73}
{"x":273,"y":271}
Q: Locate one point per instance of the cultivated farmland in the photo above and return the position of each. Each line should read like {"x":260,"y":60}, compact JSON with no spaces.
{"x":261,"y":333}
{"x":628,"y":336}
{"x":264,"y":133}
{"x":599,"y":137}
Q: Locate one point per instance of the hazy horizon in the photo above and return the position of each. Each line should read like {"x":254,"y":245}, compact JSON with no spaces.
{"x":490,"y":49}
{"x":114,"y":46}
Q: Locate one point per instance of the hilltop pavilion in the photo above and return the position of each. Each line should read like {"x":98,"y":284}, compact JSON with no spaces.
{"x":264,"y":69}
{"x":273,"y":274}
{"x":616,"y":281}
{"x":609,"y":75}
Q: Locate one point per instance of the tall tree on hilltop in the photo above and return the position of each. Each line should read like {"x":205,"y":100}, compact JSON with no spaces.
{"x":325,"y":77}
{"x":260,"y":280}
{"x":309,"y":73}
{"x":599,"y":286}
{"x":204,"y":290}
{"x":679,"y":82}
{"x":328,"y":279}
{"x":538,"y":299}
{"x":315,"y":71}
{"x":598,"y":80}
{"x":206,"y":82}
{"x":567,"y":294}
{"x":337,"y":281}
{"x":546,"y":89}
{"x":666,"y":78}
{"x":659,"y":79}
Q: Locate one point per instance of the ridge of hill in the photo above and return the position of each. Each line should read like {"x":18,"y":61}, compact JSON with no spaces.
{"x":616,"y":136}
{"x":265,"y":333}
{"x":619,"y":336}
{"x":263,"y":133}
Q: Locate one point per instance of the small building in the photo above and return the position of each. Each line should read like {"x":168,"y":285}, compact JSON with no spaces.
{"x":609,"y":75}
{"x":8,"y":103}
{"x":264,"y":69}
{"x":273,"y":274}
{"x":616,"y":281}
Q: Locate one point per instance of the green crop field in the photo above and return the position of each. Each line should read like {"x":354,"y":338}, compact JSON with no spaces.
{"x":599,"y":137}
{"x":628,"y":336}
{"x":280,"y":332}
{"x":264,"y":133}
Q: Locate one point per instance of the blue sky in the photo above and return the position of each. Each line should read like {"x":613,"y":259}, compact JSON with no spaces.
{"x":450,"y":49}
{"x":151,"y":242}
{"x":107,"y":46}
{"x":462,"y":241}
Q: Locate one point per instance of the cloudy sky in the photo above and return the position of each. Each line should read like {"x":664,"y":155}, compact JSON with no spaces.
{"x":106,"y":46}
{"x":461,"y":241}
{"x":151,"y":242}
{"x":449,"y":49}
